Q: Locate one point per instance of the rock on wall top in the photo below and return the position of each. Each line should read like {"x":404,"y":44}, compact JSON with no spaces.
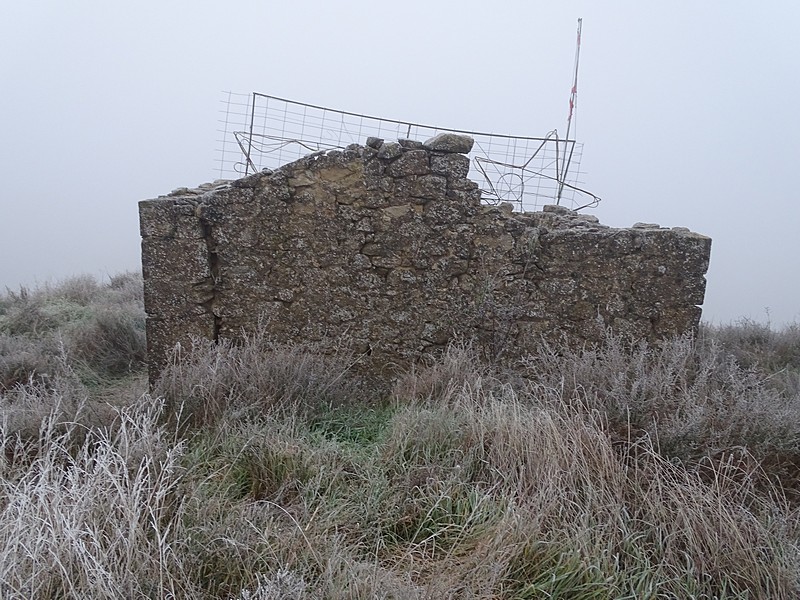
{"x":389,"y":247}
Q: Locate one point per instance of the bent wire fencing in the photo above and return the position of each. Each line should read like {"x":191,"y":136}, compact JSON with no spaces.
{"x":264,"y":132}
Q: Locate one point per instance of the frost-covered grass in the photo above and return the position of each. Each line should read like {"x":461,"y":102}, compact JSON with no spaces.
{"x":97,"y":330}
{"x":263,"y":471}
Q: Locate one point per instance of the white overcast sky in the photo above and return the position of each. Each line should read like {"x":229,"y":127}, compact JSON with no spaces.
{"x":687,"y":111}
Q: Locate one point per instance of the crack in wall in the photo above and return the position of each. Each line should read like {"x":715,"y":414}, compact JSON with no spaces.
{"x":214,"y":267}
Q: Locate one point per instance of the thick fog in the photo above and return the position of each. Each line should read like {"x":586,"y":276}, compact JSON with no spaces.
{"x":685,"y":109}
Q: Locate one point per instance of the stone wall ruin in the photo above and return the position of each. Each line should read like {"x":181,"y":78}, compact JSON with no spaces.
{"x":388,"y":247}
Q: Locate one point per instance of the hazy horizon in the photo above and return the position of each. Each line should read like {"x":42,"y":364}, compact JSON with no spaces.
{"x":684,"y":112}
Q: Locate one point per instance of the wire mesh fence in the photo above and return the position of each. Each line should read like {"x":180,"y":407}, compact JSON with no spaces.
{"x":259,"y":132}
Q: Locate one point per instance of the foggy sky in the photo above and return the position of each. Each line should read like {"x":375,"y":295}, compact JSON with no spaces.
{"x":686,"y":111}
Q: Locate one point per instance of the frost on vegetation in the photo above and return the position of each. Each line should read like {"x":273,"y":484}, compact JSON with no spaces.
{"x":99,"y":328}
{"x":665,"y":470}
{"x":284,"y":584}
{"x":96,"y":521}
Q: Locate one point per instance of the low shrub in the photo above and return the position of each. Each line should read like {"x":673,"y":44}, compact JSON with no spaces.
{"x":99,"y":330}
{"x":690,"y":396}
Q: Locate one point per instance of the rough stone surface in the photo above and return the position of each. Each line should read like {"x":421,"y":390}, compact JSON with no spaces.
{"x":411,"y":144}
{"x":450,"y":142}
{"x":389,"y":248}
{"x":390,"y":150}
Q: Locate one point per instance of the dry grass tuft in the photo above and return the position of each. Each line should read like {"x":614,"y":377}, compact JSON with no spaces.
{"x":96,"y":521}
{"x":208,"y":379}
{"x":690,"y":396}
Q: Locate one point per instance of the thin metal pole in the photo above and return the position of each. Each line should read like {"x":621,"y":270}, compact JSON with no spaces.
{"x":250,"y":137}
{"x":573,"y":107}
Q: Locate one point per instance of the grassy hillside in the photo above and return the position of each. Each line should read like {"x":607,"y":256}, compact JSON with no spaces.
{"x":262,"y":471}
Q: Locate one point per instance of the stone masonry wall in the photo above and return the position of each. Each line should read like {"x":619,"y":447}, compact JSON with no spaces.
{"x":388,"y":247}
